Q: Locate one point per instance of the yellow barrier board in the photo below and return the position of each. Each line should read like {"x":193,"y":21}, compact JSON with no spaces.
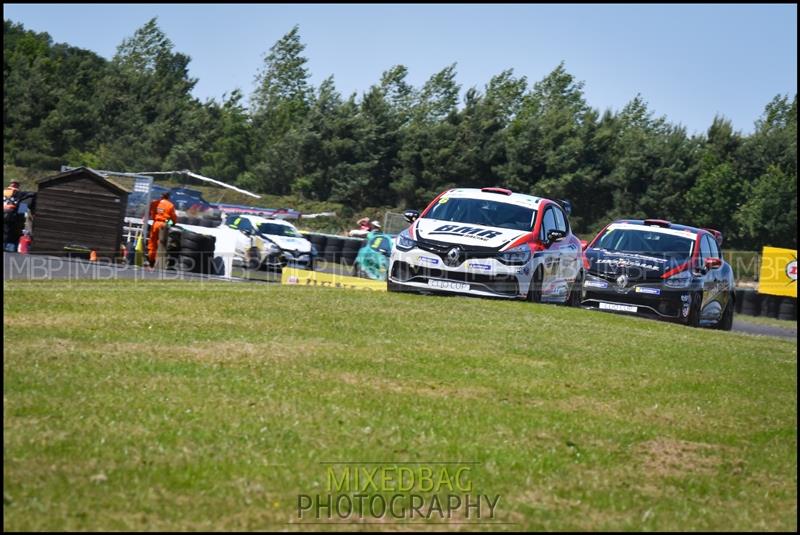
{"x":302,"y":277}
{"x":778,"y":275}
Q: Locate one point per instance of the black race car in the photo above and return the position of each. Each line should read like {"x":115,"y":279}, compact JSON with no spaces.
{"x":657,"y":268}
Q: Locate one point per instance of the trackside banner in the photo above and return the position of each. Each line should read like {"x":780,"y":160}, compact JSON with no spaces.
{"x":778,"y":275}
{"x":301,"y":277}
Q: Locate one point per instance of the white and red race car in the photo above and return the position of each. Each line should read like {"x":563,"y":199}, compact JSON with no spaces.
{"x":489,"y":242}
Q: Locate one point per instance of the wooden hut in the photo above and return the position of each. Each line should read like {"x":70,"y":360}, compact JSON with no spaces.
{"x":78,"y":210}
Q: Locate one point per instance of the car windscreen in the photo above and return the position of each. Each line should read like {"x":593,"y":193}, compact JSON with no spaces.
{"x":646,"y":242}
{"x":483,"y":212}
{"x":278,"y":230}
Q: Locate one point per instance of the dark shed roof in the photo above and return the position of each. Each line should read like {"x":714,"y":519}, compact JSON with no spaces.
{"x":90,"y":173}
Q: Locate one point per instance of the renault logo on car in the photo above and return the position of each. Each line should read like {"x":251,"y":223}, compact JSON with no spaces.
{"x":622,"y":281}
{"x":453,"y":257}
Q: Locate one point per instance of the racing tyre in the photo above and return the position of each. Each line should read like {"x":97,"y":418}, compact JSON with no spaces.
{"x":726,"y":321}
{"x":392,"y":287}
{"x":218,"y":266}
{"x":350,"y":249}
{"x":788,"y":309}
{"x":187,"y":263}
{"x":253,"y":260}
{"x":739,"y":301}
{"x":576,"y":291}
{"x":333,"y":249}
{"x":535,"y":291}
{"x":751,"y":303}
{"x":693,"y":320}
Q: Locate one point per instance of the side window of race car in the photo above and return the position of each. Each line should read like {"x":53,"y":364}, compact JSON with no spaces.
{"x":705,"y":248}
{"x":561,"y":220}
{"x":715,"y":252}
{"x":548,"y":223}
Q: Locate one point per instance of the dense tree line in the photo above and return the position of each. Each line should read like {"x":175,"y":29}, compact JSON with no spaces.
{"x":395,"y":144}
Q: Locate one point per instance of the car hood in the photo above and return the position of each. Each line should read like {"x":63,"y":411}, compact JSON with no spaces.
{"x":290,"y":244}
{"x":637,"y":267}
{"x":465,"y":234}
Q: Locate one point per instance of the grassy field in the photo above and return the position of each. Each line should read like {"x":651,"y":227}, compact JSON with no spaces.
{"x":770,"y":322}
{"x":183,"y":406}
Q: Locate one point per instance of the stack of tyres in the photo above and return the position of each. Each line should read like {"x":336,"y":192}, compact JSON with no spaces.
{"x":210,"y":222}
{"x":333,"y":249}
{"x":738,"y":300}
{"x":350,"y":249}
{"x":317,"y":240}
{"x":173,"y":247}
{"x":769,"y":306}
{"x":788,"y":309}
{"x":191,"y":251}
{"x":751,"y":303}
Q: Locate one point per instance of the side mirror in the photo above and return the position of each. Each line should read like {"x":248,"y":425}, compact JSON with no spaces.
{"x":556,"y":235}
{"x":411,"y":215}
{"x":584,"y":245}
{"x":712,"y":263}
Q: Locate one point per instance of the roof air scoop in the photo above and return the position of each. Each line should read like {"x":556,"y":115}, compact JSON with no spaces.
{"x":501,"y":191}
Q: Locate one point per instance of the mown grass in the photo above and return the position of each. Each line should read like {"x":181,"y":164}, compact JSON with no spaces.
{"x":769,"y":322}
{"x":211,"y":406}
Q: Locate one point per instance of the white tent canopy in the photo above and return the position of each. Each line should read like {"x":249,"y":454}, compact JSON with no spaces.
{"x":182,"y":172}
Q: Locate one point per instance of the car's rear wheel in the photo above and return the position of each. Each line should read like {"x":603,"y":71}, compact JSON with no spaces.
{"x":574,"y":299}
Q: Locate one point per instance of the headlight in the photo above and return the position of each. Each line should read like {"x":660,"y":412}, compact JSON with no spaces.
{"x":681,"y":280}
{"x":272,"y":249}
{"x":404,"y":241}
{"x":517,"y":256}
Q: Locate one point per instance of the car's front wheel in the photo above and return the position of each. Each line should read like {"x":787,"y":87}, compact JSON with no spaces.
{"x":726,"y":321}
{"x":253,"y":260}
{"x":693,"y":319}
{"x":535,"y":291}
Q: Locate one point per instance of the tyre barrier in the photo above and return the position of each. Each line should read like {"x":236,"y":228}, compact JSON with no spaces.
{"x":317,"y":240}
{"x":738,"y":300}
{"x":350,"y":249}
{"x":751,"y":303}
{"x":333,"y":248}
{"x":191,"y":251}
{"x":769,"y":306}
{"x":788,"y":309}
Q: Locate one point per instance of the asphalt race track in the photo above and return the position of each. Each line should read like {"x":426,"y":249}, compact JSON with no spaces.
{"x":40,"y":267}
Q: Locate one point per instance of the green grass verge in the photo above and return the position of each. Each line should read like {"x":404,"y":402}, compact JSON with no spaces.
{"x":182,"y":406}
{"x":770,"y":322}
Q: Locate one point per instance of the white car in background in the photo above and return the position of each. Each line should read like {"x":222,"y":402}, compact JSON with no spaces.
{"x":270,"y":243}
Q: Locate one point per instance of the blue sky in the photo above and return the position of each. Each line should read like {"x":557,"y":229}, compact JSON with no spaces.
{"x":689,"y":62}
